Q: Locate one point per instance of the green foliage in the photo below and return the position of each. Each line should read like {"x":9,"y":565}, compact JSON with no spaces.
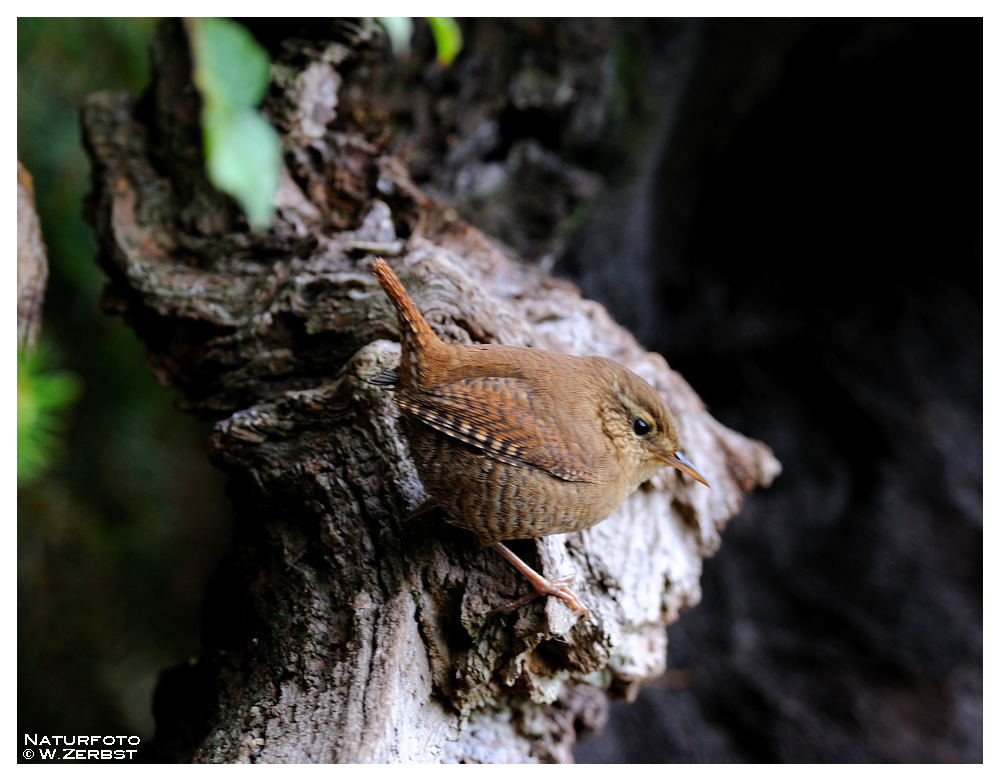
{"x":447,"y":38}
{"x":444,"y":29}
{"x":399,"y":29}
{"x":242,"y":151}
{"x":43,"y":400}
{"x":127,"y":505}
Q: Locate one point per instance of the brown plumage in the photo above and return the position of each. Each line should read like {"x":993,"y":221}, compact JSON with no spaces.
{"x":516,"y":442}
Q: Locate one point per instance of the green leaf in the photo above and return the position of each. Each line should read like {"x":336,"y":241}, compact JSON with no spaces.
{"x":230,"y":66}
{"x":242,"y":151}
{"x":43,"y":399}
{"x":244,"y":159}
{"x":400,"y":30}
{"x":447,"y":38}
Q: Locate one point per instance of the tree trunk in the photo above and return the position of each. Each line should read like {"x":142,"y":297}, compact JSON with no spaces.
{"x":32,"y":266}
{"x":337,"y":630}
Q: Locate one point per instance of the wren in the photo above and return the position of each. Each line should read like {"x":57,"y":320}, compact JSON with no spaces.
{"x":517,"y":442}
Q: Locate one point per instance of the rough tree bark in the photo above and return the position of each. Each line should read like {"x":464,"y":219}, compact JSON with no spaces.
{"x":336,"y":631}
{"x":32,"y":266}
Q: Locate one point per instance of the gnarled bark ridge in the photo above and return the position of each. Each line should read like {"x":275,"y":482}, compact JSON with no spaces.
{"x":338,"y":631}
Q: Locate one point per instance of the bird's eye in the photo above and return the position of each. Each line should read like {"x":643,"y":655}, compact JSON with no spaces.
{"x":641,"y":427}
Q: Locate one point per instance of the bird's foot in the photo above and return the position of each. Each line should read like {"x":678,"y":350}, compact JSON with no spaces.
{"x":557,"y":587}
{"x":546,"y":587}
{"x":554,"y":587}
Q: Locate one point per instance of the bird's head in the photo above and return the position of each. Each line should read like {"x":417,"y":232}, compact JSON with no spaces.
{"x":638,"y":422}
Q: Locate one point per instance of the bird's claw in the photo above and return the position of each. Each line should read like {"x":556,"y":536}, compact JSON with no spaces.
{"x":549,"y":587}
{"x":557,"y":588}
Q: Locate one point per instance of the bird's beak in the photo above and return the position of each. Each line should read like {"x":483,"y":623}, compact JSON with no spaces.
{"x":679,"y":461}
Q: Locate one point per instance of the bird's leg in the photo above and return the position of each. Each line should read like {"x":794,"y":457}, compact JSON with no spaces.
{"x":557,"y":587}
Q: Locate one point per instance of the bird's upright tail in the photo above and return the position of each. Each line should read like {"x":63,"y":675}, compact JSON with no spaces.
{"x":415,"y":335}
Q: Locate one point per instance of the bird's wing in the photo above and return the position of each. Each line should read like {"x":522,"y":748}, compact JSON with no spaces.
{"x":503,"y":418}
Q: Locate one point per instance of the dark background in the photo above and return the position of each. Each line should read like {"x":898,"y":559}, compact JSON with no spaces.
{"x":789,"y":210}
{"x":117,"y":540}
{"x":816,"y":257}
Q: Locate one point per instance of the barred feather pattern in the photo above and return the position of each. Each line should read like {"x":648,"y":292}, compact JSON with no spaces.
{"x":415,"y":334}
{"x":498,"y":500}
{"x":501,"y":417}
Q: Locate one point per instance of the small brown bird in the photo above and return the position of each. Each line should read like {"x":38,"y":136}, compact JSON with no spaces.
{"x":517,"y":442}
